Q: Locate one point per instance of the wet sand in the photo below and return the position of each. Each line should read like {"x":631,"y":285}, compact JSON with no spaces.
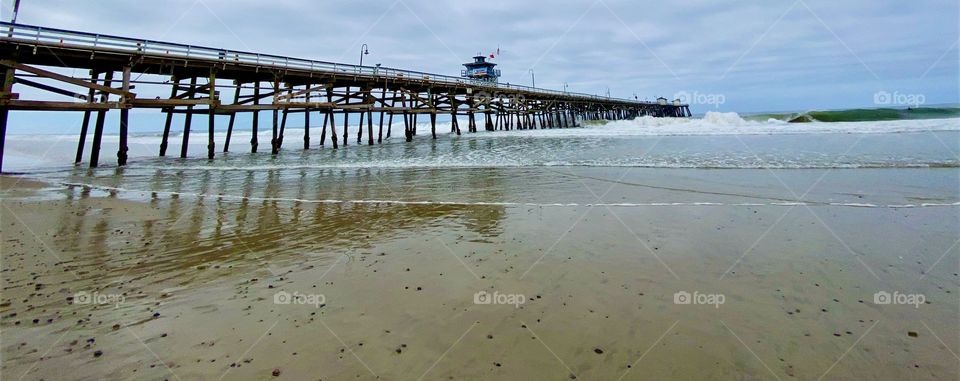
{"x":188,"y":280}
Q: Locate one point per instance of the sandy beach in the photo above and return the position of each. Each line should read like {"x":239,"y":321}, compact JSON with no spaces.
{"x":184,"y":284}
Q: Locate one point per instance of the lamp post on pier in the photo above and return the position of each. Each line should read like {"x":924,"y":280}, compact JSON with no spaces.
{"x":533,"y":78}
{"x":363,"y":51}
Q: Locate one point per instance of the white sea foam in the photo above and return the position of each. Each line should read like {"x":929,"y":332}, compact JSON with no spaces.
{"x":731,"y":123}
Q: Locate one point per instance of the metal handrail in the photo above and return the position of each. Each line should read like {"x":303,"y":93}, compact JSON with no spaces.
{"x":94,"y":41}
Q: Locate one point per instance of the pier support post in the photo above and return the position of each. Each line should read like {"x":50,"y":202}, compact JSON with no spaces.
{"x":98,"y":126}
{"x":333,"y":123}
{"x":233,"y":117}
{"x":211,"y":114}
{"x":86,"y":119}
{"x":346,"y":116}
{"x":283,"y":122}
{"x":175,"y":82}
{"x":360,"y":127}
{"x":323,"y":131}
{"x":368,"y":99}
{"x":306,"y":122}
{"x":256,"y":117}
{"x":346,"y":126}
{"x":124,"y":118}
{"x":6,"y":89}
{"x":393,"y":103}
{"x":274,"y":142}
{"x":453,"y":116}
{"x":383,"y":102}
{"x":369,"y":127}
{"x":188,"y":119}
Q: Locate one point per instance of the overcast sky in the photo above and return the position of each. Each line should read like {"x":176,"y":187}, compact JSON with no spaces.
{"x":764,"y":55}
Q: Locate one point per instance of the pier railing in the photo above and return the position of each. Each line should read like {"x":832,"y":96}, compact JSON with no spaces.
{"x":95,"y":42}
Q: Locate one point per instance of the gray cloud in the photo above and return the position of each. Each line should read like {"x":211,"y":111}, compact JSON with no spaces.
{"x":632,"y":47}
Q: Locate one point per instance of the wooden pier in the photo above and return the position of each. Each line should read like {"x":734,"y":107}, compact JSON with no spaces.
{"x":267,"y":83}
